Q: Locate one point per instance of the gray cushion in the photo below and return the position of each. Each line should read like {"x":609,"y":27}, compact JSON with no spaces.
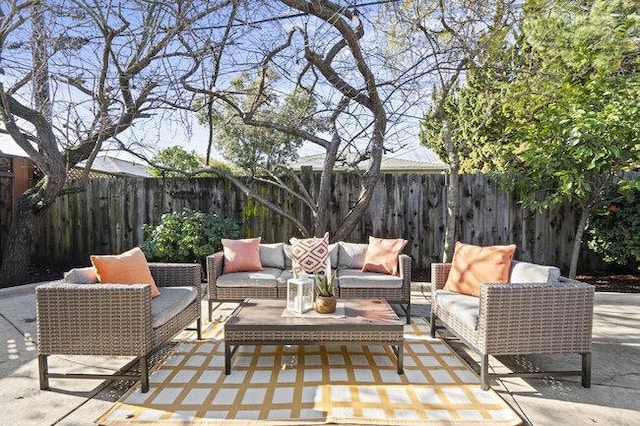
{"x":355,"y":278}
{"x":268,"y":277}
{"x":272,"y":255}
{"x":171,"y":302}
{"x":288,"y":256}
{"x":81,"y":276}
{"x":284,"y":276}
{"x":333,"y":255}
{"x":351,"y":255}
{"x":465,"y":308}
{"x":525,"y":272}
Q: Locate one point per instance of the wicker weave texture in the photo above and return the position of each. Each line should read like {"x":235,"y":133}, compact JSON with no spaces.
{"x":85,"y":319}
{"x":313,"y":336}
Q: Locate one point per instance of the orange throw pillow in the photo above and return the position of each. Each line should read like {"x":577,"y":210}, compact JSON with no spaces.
{"x":241,"y":255}
{"x":129,"y":267}
{"x":382,"y":255}
{"x":475,"y":265}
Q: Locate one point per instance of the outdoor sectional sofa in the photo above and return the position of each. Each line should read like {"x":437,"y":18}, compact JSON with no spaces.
{"x":271,"y":282}
{"x":537,"y":312}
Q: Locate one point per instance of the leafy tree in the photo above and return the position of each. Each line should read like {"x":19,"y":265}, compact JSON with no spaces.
{"x":570,"y":105}
{"x":260,"y":149}
{"x":174,"y":158}
{"x":614,"y":228}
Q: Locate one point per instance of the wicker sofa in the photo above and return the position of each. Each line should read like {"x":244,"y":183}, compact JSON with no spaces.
{"x":84,"y":318}
{"x":271,"y":282}
{"x":537,"y":312}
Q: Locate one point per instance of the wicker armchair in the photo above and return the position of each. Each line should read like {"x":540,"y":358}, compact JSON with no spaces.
{"x":518,"y":319}
{"x":111,"y":319}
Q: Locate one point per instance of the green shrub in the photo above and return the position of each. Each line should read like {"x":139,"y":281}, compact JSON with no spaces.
{"x":188,"y":236}
{"x":615,"y":229}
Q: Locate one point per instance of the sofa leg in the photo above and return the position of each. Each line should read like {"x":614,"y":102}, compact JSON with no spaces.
{"x":484,"y":372}
{"x":144,"y":374}
{"x":586,"y":370}
{"x":432,"y":320}
{"x":199,"y":328}
{"x":43,"y":368}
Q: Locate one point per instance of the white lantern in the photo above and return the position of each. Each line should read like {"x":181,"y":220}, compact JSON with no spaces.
{"x":300,"y":294}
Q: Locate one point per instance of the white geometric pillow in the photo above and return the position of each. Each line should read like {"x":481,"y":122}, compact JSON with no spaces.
{"x":310,"y":254}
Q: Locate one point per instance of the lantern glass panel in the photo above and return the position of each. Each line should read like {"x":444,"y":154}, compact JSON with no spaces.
{"x":300,"y":294}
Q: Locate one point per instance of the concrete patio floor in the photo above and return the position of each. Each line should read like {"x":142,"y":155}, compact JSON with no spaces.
{"x":613,"y":398}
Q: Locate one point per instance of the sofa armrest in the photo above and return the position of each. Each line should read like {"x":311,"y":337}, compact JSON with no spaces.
{"x":176,"y":274}
{"x":439,"y":274}
{"x":550,"y":317}
{"x":215,"y":262}
{"x":404,"y":267}
{"x":90,"y":319}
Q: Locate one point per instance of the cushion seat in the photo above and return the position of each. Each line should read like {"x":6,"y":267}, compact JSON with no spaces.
{"x":268,"y":277}
{"x":466,"y":308}
{"x":170,"y":302}
{"x":355,"y":278}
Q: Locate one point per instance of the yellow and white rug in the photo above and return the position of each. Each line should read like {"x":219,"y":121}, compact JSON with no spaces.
{"x":313,"y":385}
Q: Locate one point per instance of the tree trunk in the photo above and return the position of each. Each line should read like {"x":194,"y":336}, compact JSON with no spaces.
{"x":453,"y":199}
{"x":575,"y":253}
{"x":321,"y":221}
{"x":17,"y":253}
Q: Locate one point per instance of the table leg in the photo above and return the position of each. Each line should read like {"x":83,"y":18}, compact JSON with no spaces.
{"x":227,"y":358}
{"x":400,"y":354}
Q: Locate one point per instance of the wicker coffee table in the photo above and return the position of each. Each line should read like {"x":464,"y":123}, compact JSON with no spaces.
{"x":260,"y":322}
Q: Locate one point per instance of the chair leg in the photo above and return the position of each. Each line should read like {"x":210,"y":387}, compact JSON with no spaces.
{"x":484,"y":372}
{"x":586,"y":370}
{"x":43,"y":368}
{"x":409,"y":313}
{"x":432,"y":320}
{"x":210,"y":309}
{"x":144,"y":374}
{"x":199,"y":329}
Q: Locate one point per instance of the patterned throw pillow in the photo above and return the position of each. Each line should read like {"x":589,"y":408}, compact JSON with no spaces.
{"x":310,"y":254}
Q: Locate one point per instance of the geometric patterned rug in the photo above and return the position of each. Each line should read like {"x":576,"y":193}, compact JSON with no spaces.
{"x":315,"y":384}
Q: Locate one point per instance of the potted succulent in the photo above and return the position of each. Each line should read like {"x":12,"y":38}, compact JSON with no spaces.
{"x":325,"y":298}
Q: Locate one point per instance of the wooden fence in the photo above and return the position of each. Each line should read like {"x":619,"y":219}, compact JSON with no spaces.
{"x":108,"y":217}
{"x":6,"y":206}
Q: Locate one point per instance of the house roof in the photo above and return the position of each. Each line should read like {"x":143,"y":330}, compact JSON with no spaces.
{"x":388,"y":165}
{"x":117,"y":166}
{"x":10,"y":148}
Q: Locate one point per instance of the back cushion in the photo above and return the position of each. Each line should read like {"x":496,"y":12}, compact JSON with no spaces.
{"x":81,"y":276}
{"x":525,"y":272}
{"x":272,"y":255}
{"x":472,"y":266}
{"x":241,"y":255}
{"x":351,"y":255}
{"x":129,"y":267}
